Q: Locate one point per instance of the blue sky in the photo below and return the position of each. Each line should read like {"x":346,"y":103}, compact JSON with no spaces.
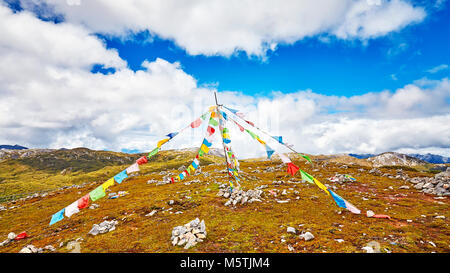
{"x":336,"y":76}
{"x":336,"y":67}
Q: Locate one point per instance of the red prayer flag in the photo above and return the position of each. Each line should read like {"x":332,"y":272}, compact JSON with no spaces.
{"x":249,"y":122}
{"x":22,"y":235}
{"x":211,"y":130}
{"x":83,"y":202}
{"x":173,"y":181}
{"x":196,"y":123}
{"x":292,"y":169}
{"x":142,"y":160}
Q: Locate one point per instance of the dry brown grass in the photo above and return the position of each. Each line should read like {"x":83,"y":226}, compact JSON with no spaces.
{"x":256,"y":227}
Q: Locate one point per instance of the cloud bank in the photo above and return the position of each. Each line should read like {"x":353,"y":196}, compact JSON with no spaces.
{"x":216,"y":27}
{"x":50,"y":98}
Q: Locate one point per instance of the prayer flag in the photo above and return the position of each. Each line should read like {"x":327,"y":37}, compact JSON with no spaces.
{"x":97,"y":193}
{"x":71,"y":209}
{"x":226,"y":141}
{"x":152,"y":153}
{"x":121,"y":176}
{"x":20,"y":236}
{"x":251,"y":133}
{"x":142,"y":160}
{"x":133,"y":168}
{"x":269,"y":151}
{"x":207,"y":143}
{"x":108,"y":183}
{"x":278,"y":138}
{"x":320,"y":185}
{"x":339,"y":201}
{"x":352,"y":208}
{"x":195,"y":164}
{"x":213,"y":122}
{"x":57,"y":217}
{"x":292,"y":169}
{"x":204,"y":148}
{"x":171,"y":135}
{"x":260,"y":141}
{"x":224,"y":115}
{"x":83,"y":202}
{"x":211,"y":130}
{"x":307,"y":177}
{"x":196,"y":123}
{"x":161,"y":142}
{"x":240,"y":127}
{"x":306,"y":157}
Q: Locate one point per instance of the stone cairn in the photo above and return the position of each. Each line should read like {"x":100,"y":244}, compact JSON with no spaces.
{"x":103,"y":227}
{"x":239,"y":196}
{"x":340,"y":178}
{"x":438,"y":185}
{"x":190,"y":234}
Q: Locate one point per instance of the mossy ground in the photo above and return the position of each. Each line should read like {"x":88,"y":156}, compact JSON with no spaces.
{"x":255,"y":227}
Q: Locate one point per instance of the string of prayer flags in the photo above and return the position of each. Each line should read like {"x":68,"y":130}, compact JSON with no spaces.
{"x":121,"y":176}
{"x":83,"y":202}
{"x":57,"y":217}
{"x":97,"y":193}
{"x":133,"y":168}
{"x":292,"y":169}
{"x":71,"y":209}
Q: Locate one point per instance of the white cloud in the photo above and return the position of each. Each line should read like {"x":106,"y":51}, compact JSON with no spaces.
{"x":216,"y":27}
{"x":437,"y":68}
{"x":49,"y":98}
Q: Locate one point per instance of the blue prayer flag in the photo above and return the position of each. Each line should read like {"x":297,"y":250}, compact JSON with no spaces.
{"x":339,"y":201}
{"x":171,"y":135}
{"x":269,"y":151}
{"x":121,"y":176}
{"x":57,"y":216}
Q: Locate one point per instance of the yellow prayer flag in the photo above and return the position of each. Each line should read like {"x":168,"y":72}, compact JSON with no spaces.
{"x":108,"y":183}
{"x":260,"y":141}
{"x":322,"y":186}
{"x":204,"y":148}
{"x":161,"y":142}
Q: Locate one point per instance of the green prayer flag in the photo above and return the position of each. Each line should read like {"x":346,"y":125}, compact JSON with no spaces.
{"x":152,"y":153}
{"x":307,"y":177}
{"x":200,"y":153}
{"x":97,"y":193}
{"x":213,"y":122}
{"x":204,"y":116}
{"x":225,"y":130}
{"x":252,"y":134}
{"x":306,"y":157}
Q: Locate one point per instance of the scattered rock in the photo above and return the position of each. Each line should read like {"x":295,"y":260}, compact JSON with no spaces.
{"x":370,"y":213}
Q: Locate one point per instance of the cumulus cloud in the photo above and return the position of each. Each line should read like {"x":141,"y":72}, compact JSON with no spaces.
{"x":49,"y":98}
{"x":216,"y":27}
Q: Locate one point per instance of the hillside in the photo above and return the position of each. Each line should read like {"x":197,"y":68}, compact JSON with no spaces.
{"x":419,"y":221}
{"x":395,"y":159}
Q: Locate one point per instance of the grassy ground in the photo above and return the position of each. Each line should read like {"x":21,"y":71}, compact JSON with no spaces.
{"x":256,"y":227}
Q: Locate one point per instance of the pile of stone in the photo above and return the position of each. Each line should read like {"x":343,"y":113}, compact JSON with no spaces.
{"x":103,"y":227}
{"x":240,"y":196}
{"x":438,"y":185}
{"x":190,"y":234}
{"x":341,"y":178}
{"x":2,"y":208}
{"x":33,"y":249}
{"x":375,"y":171}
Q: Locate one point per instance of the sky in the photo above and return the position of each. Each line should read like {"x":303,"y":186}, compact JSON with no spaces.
{"x":330,"y":76}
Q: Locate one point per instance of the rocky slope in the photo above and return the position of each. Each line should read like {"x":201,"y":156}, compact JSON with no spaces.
{"x":395,"y":159}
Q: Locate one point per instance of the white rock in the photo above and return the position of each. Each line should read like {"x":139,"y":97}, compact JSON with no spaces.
{"x":368,"y":249}
{"x":370,"y":213}
{"x":291,"y":230}
{"x":307,"y":236}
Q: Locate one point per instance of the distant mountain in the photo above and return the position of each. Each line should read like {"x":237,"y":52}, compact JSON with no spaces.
{"x":11,"y":147}
{"x":395,"y":159}
{"x":432,"y":158}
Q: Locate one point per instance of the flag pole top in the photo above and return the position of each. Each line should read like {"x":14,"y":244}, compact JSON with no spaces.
{"x":215,"y":96}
